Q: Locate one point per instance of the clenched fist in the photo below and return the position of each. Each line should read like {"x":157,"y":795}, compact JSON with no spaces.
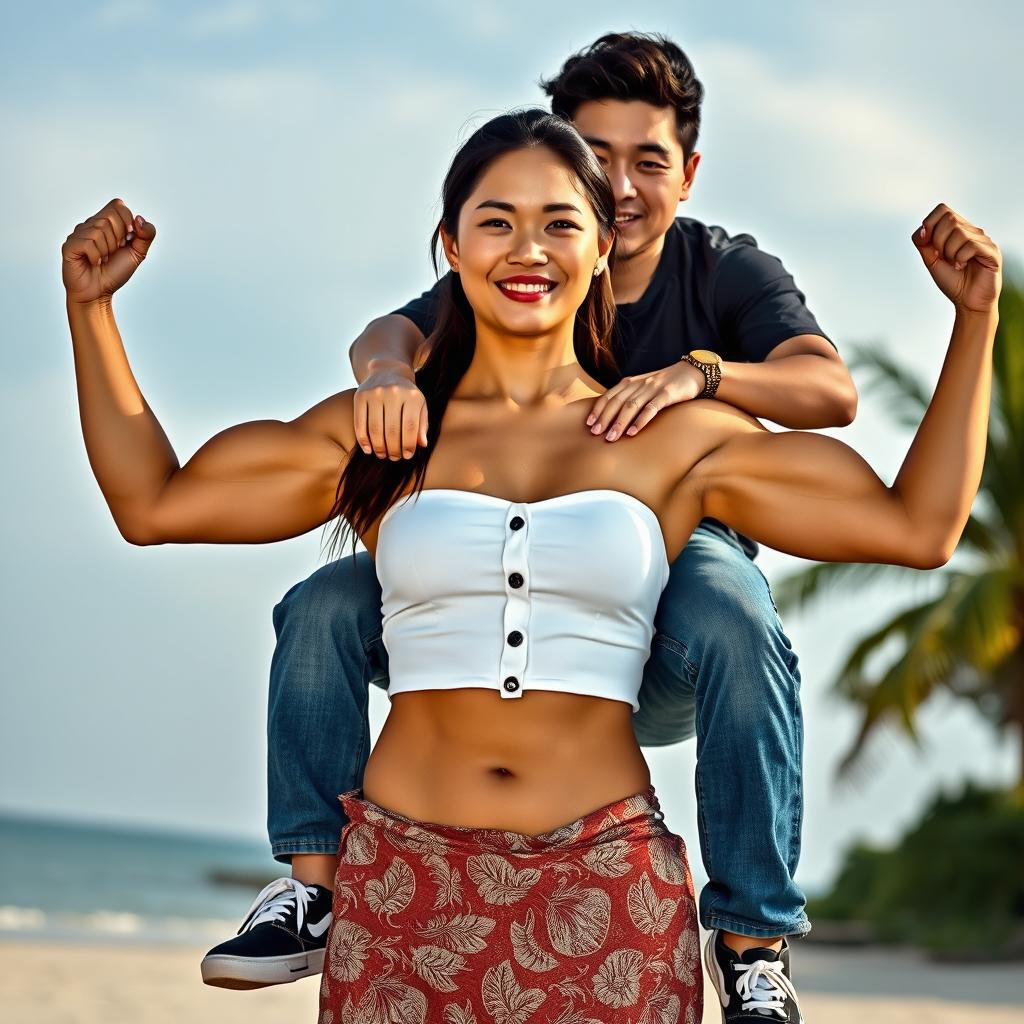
{"x":963,"y":261}
{"x":103,"y":252}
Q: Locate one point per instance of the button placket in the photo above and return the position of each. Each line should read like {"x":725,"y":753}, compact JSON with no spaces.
{"x":515,"y":638}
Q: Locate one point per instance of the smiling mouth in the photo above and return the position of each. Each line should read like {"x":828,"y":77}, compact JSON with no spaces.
{"x":522,"y":289}
{"x":533,"y":290}
{"x":627,"y":218}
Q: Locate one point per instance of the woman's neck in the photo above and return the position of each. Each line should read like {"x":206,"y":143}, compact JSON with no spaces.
{"x":526,"y":371}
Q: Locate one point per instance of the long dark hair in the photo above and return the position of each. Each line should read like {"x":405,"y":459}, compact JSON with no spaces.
{"x":370,"y":485}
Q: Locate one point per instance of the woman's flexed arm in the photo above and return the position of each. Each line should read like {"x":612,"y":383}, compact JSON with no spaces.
{"x":255,"y":482}
{"x":813,"y":496}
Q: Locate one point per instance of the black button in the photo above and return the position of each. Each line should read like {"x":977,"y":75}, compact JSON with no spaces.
{"x":511,"y":684}
{"x":516,"y":580}
{"x":517,"y":523}
{"x":515,"y":638}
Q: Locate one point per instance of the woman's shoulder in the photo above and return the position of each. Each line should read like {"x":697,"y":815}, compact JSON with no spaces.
{"x":706,"y":418}
{"x":687,"y":432}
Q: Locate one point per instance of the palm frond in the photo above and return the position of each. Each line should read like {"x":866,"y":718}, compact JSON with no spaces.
{"x":906,"y":396}
{"x":982,"y":630}
{"x":798,"y":589}
{"x":962,"y":635}
{"x":980,"y":535}
{"x":1008,"y":366}
{"x":1003,"y":483}
{"x":903,"y":686}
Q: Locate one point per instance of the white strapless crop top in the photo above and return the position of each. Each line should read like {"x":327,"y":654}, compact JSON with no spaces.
{"x":513,"y":596}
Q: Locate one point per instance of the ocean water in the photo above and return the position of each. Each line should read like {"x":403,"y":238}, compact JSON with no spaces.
{"x":72,"y":881}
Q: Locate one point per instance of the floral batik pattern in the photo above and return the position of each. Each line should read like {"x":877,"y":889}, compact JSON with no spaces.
{"x":441,"y":924}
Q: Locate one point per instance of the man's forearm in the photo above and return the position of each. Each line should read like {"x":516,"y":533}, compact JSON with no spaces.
{"x":391,"y":340}
{"x":801,"y":392}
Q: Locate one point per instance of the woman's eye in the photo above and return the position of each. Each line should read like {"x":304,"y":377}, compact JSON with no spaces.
{"x":566,"y":224}
{"x":495,"y":222}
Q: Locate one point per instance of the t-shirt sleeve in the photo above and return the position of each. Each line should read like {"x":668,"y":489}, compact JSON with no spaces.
{"x":758,"y":304}
{"x":422,"y":311}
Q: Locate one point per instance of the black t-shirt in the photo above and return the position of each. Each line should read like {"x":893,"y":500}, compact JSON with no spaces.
{"x":710,"y":290}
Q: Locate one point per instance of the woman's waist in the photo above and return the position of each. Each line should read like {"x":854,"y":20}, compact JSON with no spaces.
{"x":485,"y":768}
{"x":636,"y":817}
{"x":491,"y":799}
{"x":474,"y":727}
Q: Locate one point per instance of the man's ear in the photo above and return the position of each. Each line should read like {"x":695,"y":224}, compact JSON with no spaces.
{"x":451,"y":250}
{"x":689,"y":173}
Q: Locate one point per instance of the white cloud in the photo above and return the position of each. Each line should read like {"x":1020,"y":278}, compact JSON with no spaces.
{"x":842,"y":147}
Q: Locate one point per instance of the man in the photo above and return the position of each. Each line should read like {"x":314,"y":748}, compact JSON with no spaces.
{"x":699,"y":313}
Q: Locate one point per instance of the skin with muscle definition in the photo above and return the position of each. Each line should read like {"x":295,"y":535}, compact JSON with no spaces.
{"x":516,"y":428}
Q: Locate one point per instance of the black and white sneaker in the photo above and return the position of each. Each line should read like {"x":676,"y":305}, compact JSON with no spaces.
{"x":753,"y":987}
{"x":282,"y":938}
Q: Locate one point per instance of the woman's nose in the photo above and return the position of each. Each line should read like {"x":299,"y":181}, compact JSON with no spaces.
{"x":528,"y":250}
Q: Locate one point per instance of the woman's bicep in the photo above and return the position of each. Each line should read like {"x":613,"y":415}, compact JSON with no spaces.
{"x":256,"y":482}
{"x":808,"y":495}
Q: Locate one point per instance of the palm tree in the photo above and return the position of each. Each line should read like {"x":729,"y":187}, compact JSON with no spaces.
{"x":968,"y":636}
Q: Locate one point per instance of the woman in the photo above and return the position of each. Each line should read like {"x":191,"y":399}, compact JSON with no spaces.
{"x":505,"y":857}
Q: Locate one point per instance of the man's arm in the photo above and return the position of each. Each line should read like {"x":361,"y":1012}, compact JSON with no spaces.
{"x":803,"y":383}
{"x":390,"y":412}
{"x":790,"y":372}
{"x":389,"y":343}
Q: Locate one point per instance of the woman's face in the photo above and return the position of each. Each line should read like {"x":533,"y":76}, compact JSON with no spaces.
{"x":527,"y":244}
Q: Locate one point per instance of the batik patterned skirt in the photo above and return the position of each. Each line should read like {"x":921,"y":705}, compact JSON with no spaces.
{"x":443,"y":924}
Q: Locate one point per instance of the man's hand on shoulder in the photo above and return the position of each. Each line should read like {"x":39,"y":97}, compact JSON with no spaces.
{"x":390,"y":412}
{"x":632,"y":403}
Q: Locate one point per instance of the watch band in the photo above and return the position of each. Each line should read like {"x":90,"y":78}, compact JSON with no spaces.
{"x":712,"y":375}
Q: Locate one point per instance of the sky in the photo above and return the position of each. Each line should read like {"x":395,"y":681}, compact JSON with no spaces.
{"x":291,"y":156}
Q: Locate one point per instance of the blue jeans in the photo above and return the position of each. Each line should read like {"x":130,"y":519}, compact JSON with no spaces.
{"x":721,"y":669}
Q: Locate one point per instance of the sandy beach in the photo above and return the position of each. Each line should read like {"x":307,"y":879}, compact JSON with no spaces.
{"x":79,"y":984}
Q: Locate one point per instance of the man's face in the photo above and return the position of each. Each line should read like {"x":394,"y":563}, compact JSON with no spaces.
{"x":639,"y":148}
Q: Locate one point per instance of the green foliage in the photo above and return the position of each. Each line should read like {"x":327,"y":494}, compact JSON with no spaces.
{"x":953,"y":884}
{"x":969,"y":639}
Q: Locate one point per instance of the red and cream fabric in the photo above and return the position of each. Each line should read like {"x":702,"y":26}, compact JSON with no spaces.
{"x":441,"y":924}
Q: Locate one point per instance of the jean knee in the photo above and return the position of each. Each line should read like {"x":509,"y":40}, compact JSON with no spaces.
{"x":340,"y":599}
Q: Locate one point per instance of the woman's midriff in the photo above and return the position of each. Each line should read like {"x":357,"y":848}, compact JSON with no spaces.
{"x":531,"y":764}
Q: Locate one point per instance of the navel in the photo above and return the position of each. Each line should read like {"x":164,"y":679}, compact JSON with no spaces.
{"x":502,"y":773}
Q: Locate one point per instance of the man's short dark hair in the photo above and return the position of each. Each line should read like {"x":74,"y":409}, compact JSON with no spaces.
{"x":631,"y":66}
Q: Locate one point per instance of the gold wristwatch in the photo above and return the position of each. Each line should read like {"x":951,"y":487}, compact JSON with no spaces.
{"x":710,"y":364}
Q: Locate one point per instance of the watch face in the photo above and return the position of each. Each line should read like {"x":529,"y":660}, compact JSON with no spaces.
{"x":702,"y":355}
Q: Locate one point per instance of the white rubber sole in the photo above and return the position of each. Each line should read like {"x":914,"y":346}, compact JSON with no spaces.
{"x":714,"y":972}
{"x":247,"y":972}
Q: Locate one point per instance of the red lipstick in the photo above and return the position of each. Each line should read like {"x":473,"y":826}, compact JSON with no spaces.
{"x":525,"y":287}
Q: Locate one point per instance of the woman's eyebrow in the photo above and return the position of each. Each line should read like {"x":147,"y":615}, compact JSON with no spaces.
{"x":497,"y":204}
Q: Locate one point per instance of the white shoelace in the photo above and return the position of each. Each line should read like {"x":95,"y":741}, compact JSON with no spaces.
{"x":763,"y":986}
{"x":276,"y":901}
